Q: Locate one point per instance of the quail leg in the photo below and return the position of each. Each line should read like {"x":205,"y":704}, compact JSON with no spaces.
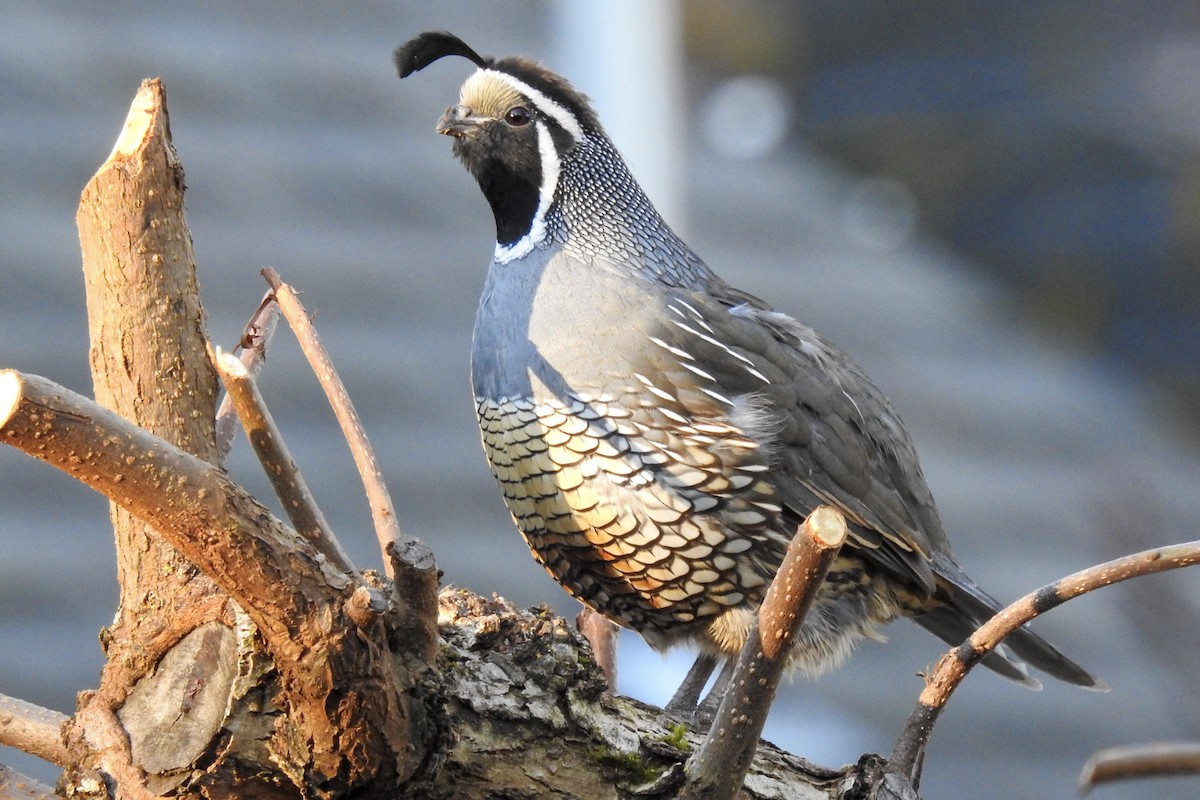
{"x":706,"y":711}
{"x":602,"y":634}
{"x":687,"y":696}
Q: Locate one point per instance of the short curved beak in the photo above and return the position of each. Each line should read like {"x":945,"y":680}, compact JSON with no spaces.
{"x":457,"y":122}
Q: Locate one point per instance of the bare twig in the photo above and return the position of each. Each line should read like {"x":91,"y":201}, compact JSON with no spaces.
{"x":1164,"y":615}
{"x":720,"y":765}
{"x":33,"y":729}
{"x":953,"y":667}
{"x":267,"y":441}
{"x":1154,"y":759}
{"x":387,"y":527}
{"x":255,"y":341}
{"x":15,"y":786}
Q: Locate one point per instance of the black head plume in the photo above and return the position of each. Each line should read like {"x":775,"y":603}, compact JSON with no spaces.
{"x":421,"y":51}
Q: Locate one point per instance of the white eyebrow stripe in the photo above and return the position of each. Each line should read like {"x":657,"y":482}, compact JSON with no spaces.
{"x":557,"y":111}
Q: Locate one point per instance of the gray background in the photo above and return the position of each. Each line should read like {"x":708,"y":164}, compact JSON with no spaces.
{"x":1048,"y":446}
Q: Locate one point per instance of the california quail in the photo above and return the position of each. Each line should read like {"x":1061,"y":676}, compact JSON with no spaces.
{"x":657,"y":434}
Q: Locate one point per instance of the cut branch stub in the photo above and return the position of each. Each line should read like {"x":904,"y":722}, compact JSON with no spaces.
{"x":148,"y":353}
{"x":720,"y":765}
{"x":149,"y":365}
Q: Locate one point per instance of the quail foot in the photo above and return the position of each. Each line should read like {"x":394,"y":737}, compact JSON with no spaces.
{"x":657,"y":434}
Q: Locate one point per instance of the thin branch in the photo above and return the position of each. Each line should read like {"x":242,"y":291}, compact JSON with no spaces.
{"x":255,"y":341}
{"x":33,"y":729}
{"x":953,"y":667}
{"x":1151,"y":760}
{"x":407,"y":560}
{"x":720,"y":765}
{"x":267,"y":441}
{"x":15,"y":786}
{"x":1164,"y":615}
{"x":387,"y":527}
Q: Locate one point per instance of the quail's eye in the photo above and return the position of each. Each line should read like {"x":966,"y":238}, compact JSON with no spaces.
{"x":517,"y":116}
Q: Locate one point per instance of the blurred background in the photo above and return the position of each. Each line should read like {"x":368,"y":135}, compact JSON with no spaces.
{"x":993,"y":207}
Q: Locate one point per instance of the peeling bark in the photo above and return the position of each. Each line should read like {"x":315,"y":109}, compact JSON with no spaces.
{"x":530,"y":717}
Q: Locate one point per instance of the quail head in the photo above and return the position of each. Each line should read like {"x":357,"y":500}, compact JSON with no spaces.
{"x":657,"y":434}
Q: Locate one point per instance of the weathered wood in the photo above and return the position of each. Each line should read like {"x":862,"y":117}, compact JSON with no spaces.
{"x":188,"y":539}
{"x":351,"y":720}
{"x":149,"y":365}
{"x":530,"y":718}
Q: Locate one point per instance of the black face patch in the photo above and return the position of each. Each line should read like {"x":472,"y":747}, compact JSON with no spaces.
{"x":507,"y":164}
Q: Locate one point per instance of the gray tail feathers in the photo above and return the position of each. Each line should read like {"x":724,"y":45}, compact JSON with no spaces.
{"x":963,"y":607}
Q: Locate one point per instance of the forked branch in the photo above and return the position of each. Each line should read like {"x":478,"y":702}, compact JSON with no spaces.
{"x":408,"y":561}
{"x":954,"y":666}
